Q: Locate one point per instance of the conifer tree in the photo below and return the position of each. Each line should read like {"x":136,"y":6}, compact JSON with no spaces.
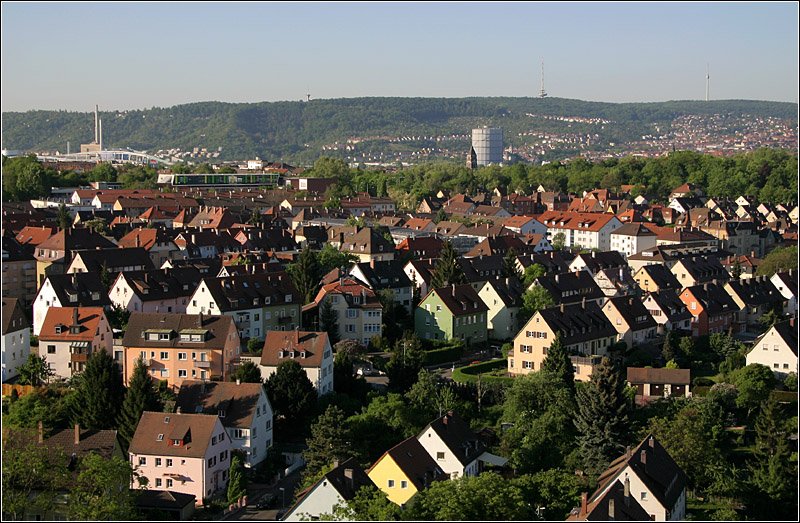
{"x":328,"y":321}
{"x":510,"y":268}
{"x":773,"y":474}
{"x":141,"y":396}
{"x":305,"y":274}
{"x":329,"y":442}
{"x":237,"y":481}
{"x":557,"y":361}
{"x":602,"y":420}
{"x":447,"y":271}
{"x":291,"y":394}
{"x":99,"y":393}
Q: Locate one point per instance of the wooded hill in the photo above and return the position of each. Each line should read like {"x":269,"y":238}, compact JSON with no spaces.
{"x":295,"y":131}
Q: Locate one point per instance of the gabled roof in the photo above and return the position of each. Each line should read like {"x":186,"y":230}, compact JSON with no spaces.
{"x":703,"y":268}
{"x":510,"y":291}
{"x":570,"y":287}
{"x":661,"y":276}
{"x":113,"y":260}
{"x":35,"y":235}
{"x":13,"y":317}
{"x":246,"y":291}
{"x":614,"y":505}
{"x":73,"y":239}
{"x":482,"y":268}
{"x":146,"y":238}
{"x":86,"y":287}
{"x":102,"y":442}
{"x":460,"y":299}
{"x":356,"y":294}
{"x":216,"y":327}
{"x":59,"y":322}
{"x":578,"y":323}
{"x":306,"y":348}
{"x":787,"y":331}
{"x":633,"y":229}
{"x":163,"y":284}
{"x":235,"y":403}
{"x":458,"y":436}
{"x":670,"y":304}
{"x":415,"y":462}
{"x":754,"y":291}
{"x":367,"y":241}
{"x":592,"y":222}
{"x":194,"y":429}
{"x":597,"y":260}
{"x":499,"y":245}
{"x":633,"y":312}
{"x":658,"y":376}
{"x":713,"y":298}
{"x":384,"y":274}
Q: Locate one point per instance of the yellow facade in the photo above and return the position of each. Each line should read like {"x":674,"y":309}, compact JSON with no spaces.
{"x":385,"y":470}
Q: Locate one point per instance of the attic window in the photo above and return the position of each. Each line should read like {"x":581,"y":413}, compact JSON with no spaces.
{"x":75,"y":329}
{"x":166,"y":419}
{"x":302,"y":354}
{"x":58,"y":329}
{"x":266,"y":300}
{"x":288,"y":298}
{"x":221,"y":413}
{"x":160,"y":437}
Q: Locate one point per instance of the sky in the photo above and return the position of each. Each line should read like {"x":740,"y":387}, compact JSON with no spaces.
{"x":137,"y":55}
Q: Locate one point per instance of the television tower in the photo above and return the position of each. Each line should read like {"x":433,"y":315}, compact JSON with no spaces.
{"x":542,"y":92}
{"x":708,"y":81}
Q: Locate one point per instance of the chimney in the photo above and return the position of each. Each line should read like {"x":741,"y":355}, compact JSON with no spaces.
{"x":584,"y":502}
{"x":77,"y":434}
{"x":562,"y":308}
{"x":556,"y":278}
{"x":348,"y":474}
{"x":583,"y":303}
{"x":75,"y":281}
{"x":454,"y":290}
{"x":627,"y":491}
{"x":138,"y":243}
{"x":75,"y":317}
{"x":178,"y":409}
{"x":611,"y":509}
{"x":628,"y":452}
{"x":238,"y":381}
{"x":200,"y":319}
{"x":705,"y":286}
{"x":652,"y":442}
{"x":41,"y":432}
{"x":643,"y":456}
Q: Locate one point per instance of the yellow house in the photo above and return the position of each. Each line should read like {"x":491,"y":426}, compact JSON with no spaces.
{"x":404,"y":470}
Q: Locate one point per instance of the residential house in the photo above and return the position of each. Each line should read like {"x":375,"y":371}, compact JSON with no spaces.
{"x":112,"y":261}
{"x":16,"y":338}
{"x":587,"y":230}
{"x":156,"y":242}
{"x":668,"y":311}
{"x":597,"y":261}
{"x":68,"y":290}
{"x":570,"y":287}
{"x":615,"y":504}
{"x":503,"y":297}
{"x":312,"y":350}
{"x":30,"y":235}
{"x":652,"y":384}
{"x":552,"y":261}
{"x":257,"y":302}
{"x":682,"y":235}
{"x":776,"y":348}
{"x":176,"y":347}
{"x":786,"y":283}
{"x":632,"y":238}
{"x":19,"y":270}
{"x":420,"y":272}
{"x":699,"y":269}
{"x":404,"y":470}
{"x":499,"y":245}
{"x":586,"y":335}
{"x":616,"y":282}
{"x":181,"y":452}
{"x":454,"y":447}
{"x":712,"y":309}
{"x":368,"y":244}
{"x":385,"y":275}
{"x":419,"y":247}
{"x":69,"y":335}
{"x":336,"y":487}
{"x":481,"y":269}
{"x":740,"y":237}
{"x":243,"y":409}
{"x":525,"y":225}
{"x":754,"y":297}
{"x":54,"y":254}
{"x":631,"y":319}
{"x":654,"y":278}
{"x":657,"y":483}
{"x":158,"y":290}
{"x":746,"y":265}
{"x":452,"y":312}
{"x":358,"y":309}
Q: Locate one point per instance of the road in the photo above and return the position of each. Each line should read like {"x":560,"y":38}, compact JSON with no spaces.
{"x":258,"y":494}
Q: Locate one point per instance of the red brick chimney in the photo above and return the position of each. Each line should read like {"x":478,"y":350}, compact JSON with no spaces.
{"x":77,"y":434}
{"x":584,"y":502}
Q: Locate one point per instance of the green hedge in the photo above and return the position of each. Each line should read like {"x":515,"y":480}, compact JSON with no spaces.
{"x":443,"y":355}
{"x":469,"y":374}
{"x":786,"y":396}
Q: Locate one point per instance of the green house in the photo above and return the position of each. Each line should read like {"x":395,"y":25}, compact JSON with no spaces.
{"x":454,"y":312}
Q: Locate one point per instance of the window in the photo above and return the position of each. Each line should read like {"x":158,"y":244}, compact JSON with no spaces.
{"x":440,"y":456}
{"x":169,"y":462}
{"x":438,"y":308}
{"x":403,"y":484}
{"x":158,"y":482}
{"x":212,"y":461}
{"x":785,"y":365}
{"x":169,"y":483}
{"x":182,"y":373}
{"x":158,"y":462}
{"x":182,"y":356}
{"x":51,"y":349}
{"x":390,"y":483}
{"x":644,"y":495}
{"x":164,"y":355}
{"x":142,"y":461}
{"x":527,"y":365}
{"x":694,"y":305}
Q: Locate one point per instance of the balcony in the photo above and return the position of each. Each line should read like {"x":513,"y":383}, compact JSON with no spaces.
{"x":79,"y":358}
{"x":202,"y":364}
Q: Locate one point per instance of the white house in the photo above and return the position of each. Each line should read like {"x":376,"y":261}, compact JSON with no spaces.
{"x":68,"y":290}
{"x":16,"y":338}
{"x":312,"y":350}
{"x":588,"y":230}
{"x":334,"y":488}
{"x":786,"y":283}
{"x":632,"y":238}
{"x":776,"y":348}
{"x":453,"y":446}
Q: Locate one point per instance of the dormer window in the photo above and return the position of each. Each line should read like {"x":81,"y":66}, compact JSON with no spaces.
{"x":266,"y":300}
{"x":160,"y":437}
{"x":75,"y":329}
{"x":58,"y":329}
{"x":302,"y":354}
{"x":221,"y":413}
{"x":288,"y":298}
{"x":73,"y":298}
{"x":166,"y":419}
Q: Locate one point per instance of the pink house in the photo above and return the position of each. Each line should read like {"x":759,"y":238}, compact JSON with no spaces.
{"x":186,"y":453}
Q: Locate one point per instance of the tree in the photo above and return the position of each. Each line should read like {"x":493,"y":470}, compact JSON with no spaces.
{"x":102,"y":490}
{"x":405,"y":363}
{"x":736,"y":271}
{"x":510,"y":268}
{"x":32,"y":476}
{"x":291,"y":394}
{"x":668,"y":348}
{"x":754,"y":382}
{"x":774,"y":472}
{"x":35,"y":371}
{"x":99,"y":392}
{"x":602,"y":420}
{"x":771,"y":317}
{"x":344,"y":380}
{"x":440,"y":216}
{"x":118,"y":317}
{"x":329,"y":320}
{"x":559,"y":241}
{"x":555,"y":490}
{"x":369,"y":504}
{"x":140,"y":397}
{"x":532,"y":272}
{"x":237,"y":480}
{"x":779,"y":260}
{"x":534,"y":299}
{"x":330,"y":441}
{"x":557,"y":361}
{"x":63,"y":217}
{"x":447,"y":271}
{"x":255,"y":346}
{"x":103,"y":172}
{"x":247,"y":372}
{"x":305,"y":274}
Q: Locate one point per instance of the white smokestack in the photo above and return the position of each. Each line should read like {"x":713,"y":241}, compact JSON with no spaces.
{"x":101,"y":135}
{"x":96,"y":124}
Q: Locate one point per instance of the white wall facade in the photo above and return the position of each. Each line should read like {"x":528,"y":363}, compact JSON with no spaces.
{"x":15,"y":350}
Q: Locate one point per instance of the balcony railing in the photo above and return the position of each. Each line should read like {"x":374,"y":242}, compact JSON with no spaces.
{"x":202,"y":364}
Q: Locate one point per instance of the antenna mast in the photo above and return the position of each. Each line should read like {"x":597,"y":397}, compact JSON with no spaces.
{"x":708,"y":81}
{"x":542,"y":92}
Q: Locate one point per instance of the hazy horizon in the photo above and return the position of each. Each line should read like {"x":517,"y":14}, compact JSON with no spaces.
{"x":132,"y":56}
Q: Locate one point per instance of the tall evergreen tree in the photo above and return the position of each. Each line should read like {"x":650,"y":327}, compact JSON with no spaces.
{"x":247,"y":372}
{"x":237,"y":480}
{"x":328,"y":320}
{"x":510,"y":268}
{"x":305,"y":274}
{"x":774,"y":475}
{"x":63,"y":217}
{"x":447,"y":271}
{"x":99,"y":393}
{"x":141,"y":396}
{"x":330,"y":441}
{"x":291,"y":394}
{"x":557,"y":361}
{"x":602,"y":420}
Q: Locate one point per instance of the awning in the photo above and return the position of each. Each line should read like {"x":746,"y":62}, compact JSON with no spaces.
{"x":498,"y":461}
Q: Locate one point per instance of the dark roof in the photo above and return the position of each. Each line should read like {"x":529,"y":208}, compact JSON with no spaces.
{"x":661,"y":276}
{"x":72,"y":239}
{"x":570,"y":287}
{"x":460,"y":299}
{"x":602,"y":260}
{"x":789,"y":279}
{"x":347,"y":478}
{"x":659,"y":376}
{"x":367,"y":241}
{"x":86,"y":286}
{"x":242,"y":291}
{"x":671,"y":305}
{"x":633,"y":312}
{"x":553,"y":261}
{"x":217,"y":328}
{"x":614,"y":505}
{"x":102,"y":442}
{"x":788,"y":332}
{"x":237,"y":401}
{"x":654,"y":466}
{"x":578,"y":323}
{"x":633,"y":229}
{"x":114,"y":260}
{"x":383,"y":274}
{"x":14,"y":251}
{"x":704,"y":268}
{"x":13,"y":316}
{"x":755,"y":291}
{"x":458,"y":436}
{"x":510,"y":290}
{"x":713,"y":298}
{"x":162,"y":499}
{"x":415,"y":462}
{"x":161,"y":284}
{"x":500,"y":245}
{"x":482,"y":268}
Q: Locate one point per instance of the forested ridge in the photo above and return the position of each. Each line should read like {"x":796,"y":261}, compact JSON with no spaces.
{"x":295,"y":131}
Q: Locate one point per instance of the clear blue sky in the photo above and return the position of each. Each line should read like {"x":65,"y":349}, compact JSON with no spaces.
{"x":138,"y":55}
